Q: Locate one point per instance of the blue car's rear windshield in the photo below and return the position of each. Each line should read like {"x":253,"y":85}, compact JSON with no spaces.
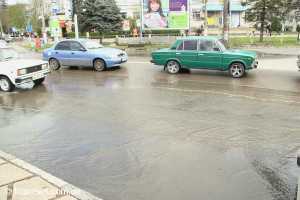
{"x":89,"y":44}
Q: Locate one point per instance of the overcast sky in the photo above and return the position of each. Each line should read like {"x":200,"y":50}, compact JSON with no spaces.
{"x":15,"y":1}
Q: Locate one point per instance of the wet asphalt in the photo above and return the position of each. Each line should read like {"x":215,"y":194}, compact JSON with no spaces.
{"x":138,"y":133}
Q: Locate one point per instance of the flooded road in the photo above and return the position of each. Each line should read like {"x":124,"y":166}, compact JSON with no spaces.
{"x":140,"y":133}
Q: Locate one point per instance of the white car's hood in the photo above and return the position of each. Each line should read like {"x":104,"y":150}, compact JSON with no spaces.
{"x":21,"y":63}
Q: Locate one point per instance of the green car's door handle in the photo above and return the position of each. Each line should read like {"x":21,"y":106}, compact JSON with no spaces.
{"x":178,"y":53}
{"x":200,"y":54}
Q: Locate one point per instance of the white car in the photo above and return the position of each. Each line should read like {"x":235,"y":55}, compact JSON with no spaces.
{"x":3,"y":44}
{"x":16,"y":72}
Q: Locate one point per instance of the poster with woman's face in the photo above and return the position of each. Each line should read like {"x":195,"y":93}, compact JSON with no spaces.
{"x":165,"y":14}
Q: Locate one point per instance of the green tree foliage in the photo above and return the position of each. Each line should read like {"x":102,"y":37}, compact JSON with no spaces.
{"x":298,"y":31}
{"x":3,"y":4}
{"x":100,"y":15}
{"x":3,"y":17}
{"x":261,"y":12}
{"x":17,"y":16}
{"x":276,"y":25}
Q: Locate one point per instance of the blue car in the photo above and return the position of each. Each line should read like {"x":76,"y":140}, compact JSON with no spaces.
{"x":85,"y":53}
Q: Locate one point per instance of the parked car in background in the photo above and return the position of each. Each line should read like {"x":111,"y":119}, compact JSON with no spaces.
{"x":16,"y":72}
{"x":83,"y":53}
{"x":204,"y":53}
{"x":3,"y":44}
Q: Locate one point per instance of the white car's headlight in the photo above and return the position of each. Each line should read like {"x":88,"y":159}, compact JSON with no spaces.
{"x":44,"y":66}
{"x":21,"y":72}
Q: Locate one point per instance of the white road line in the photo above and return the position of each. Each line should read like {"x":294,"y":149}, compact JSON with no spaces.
{"x":230,"y":95}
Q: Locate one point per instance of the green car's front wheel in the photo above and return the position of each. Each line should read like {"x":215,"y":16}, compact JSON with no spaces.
{"x":237,"y":70}
{"x":173,"y":67}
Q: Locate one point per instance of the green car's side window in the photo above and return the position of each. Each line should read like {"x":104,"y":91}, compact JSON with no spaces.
{"x":175,"y":45}
{"x":191,"y":45}
{"x":188,"y":45}
{"x":209,"y":45}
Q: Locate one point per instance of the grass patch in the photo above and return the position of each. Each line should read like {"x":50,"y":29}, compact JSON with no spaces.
{"x":274,"y":41}
{"x":31,"y":46}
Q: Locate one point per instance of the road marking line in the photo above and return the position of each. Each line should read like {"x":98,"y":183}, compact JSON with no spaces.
{"x":230,"y":95}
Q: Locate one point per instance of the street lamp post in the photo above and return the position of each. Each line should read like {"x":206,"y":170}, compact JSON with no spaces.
{"x":1,"y":28}
{"x":226,"y":22}
{"x":205,"y":18}
{"x":44,"y":23}
{"x":141,"y":20}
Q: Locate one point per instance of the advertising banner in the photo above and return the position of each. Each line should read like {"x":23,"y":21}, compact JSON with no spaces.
{"x":166,"y":14}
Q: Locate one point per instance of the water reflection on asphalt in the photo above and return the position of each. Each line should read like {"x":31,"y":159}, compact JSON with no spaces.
{"x":139,"y":133}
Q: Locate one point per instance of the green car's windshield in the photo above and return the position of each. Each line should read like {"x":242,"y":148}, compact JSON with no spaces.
{"x":91,"y":44}
{"x":221,"y":45}
{"x":7,"y":54}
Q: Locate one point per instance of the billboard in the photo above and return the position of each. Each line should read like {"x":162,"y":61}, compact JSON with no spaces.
{"x":166,"y":14}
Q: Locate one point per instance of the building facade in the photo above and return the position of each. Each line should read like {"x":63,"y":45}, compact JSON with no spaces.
{"x":131,"y":8}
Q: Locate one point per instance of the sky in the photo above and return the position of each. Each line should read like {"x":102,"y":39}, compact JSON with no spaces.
{"x":15,"y":1}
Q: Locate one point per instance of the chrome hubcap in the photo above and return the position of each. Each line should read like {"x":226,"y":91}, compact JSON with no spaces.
{"x":53,"y":64}
{"x":4,"y":85}
{"x":236,"y":70}
{"x":99,"y":65}
{"x":173,"y":67}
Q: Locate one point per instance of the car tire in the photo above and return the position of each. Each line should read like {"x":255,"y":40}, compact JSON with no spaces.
{"x":173,"y":67}
{"x":6,"y":85}
{"x":54,"y":64}
{"x":237,"y":70}
{"x":99,"y":65}
{"x":39,"y":81}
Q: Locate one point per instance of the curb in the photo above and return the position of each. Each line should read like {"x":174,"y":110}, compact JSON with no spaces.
{"x":64,"y":187}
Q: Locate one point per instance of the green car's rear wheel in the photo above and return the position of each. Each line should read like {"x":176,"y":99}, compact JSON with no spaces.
{"x":173,"y":67}
{"x":237,"y":70}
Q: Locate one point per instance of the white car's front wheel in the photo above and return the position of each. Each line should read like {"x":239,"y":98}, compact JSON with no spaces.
{"x":6,"y":85}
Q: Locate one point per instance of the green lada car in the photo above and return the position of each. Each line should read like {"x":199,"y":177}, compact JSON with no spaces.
{"x":204,"y":53}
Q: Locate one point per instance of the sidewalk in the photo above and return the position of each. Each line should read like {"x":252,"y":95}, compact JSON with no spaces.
{"x":284,"y":51}
{"x":22,"y":181}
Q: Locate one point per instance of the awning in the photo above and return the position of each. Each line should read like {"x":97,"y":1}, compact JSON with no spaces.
{"x":219,"y":7}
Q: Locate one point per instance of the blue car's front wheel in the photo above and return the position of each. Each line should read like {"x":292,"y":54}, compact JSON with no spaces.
{"x":54,"y":64}
{"x":99,"y":65}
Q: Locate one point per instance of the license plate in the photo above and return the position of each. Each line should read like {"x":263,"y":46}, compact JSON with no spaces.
{"x":37,"y":76}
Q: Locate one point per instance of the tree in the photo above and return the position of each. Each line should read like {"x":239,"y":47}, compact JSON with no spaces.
{"x":3,"y":7}
{"x":17,"y":16}
{"x":102,"y":15}
{"x":262,"y":11}
{"x":276,"y":26}
{"x":298,"y":31}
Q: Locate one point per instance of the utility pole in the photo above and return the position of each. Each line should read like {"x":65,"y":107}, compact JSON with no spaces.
{"x":226,"y":11}
{"x":205,"y":18}
{"x":43,"y":22}
{"x":141,"y":20}
{"x":1,"y":29}
{"x":76,"y":27}
{"x":74,"y":13}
